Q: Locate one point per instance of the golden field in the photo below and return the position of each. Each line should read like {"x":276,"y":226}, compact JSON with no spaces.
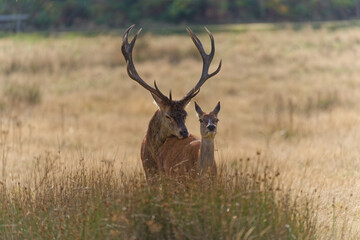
{"x":291,"y":95}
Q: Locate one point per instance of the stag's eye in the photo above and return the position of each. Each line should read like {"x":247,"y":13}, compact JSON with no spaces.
{"x":200,"y":120}
{"x":217,"y":120}
{"x":168,"y":117}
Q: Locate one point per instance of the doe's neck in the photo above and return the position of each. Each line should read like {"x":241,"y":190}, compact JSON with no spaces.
{"x":207,"y":158}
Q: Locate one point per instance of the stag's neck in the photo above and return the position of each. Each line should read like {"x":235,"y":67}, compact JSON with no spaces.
{"x":156,"y":134}
{"x":207,"y":158}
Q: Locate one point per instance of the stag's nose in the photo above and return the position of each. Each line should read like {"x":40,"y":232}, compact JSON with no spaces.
{"x":211,"y":128}
{"x":184,"y":133}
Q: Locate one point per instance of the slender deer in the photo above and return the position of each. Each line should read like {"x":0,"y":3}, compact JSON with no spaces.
{"x":190,"y":155}
{"x":169,"y":119}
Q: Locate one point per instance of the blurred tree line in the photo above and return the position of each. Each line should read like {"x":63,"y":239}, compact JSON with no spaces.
{"x":114,"y":13}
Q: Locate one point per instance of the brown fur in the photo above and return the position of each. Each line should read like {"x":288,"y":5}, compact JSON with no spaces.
{"x":183,"y":158}
{"x":179,"y":160}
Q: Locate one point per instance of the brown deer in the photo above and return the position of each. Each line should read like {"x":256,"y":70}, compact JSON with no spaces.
{"x":191,"y":156}
{"x":169,"y":119}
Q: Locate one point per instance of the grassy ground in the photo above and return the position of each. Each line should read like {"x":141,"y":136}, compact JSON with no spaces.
{"x":288,"y":92}
{"x":105,"y":203}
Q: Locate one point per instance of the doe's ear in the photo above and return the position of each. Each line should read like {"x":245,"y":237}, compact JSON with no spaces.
{"x":158,"y":101}
{"x":198,"y":110}
{"x":216,"y":109}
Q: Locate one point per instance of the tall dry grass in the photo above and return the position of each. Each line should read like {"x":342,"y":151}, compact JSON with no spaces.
{"x":102,"y":202}
{"x":292,"y":94}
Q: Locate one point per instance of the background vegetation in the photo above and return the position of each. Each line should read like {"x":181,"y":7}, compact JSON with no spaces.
{"x":289,"y":92}
{"x":46,"y":14}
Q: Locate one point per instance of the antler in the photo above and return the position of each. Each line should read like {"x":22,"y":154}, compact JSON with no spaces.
{"x":207,"y":58}
{"x":126,"y":49}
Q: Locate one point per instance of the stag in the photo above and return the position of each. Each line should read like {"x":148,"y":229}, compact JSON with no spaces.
{"x":169,"y":119}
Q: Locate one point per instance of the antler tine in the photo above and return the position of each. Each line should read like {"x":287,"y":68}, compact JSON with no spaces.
{"x":126,"y":49}
{"x":207,"y":59}
{"x":160,"y":94}
{"x":212,"y":52}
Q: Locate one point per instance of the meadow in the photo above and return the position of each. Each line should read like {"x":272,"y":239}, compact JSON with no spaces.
{"x":72,"y":122}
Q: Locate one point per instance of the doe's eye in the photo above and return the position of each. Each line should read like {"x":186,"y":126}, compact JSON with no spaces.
{"x":168,"y":117}
{"x":200,"y":120}
{"x":217,"y":120}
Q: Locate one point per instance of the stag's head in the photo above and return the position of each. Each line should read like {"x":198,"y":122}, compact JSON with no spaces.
{"x":173,"y":112}
{"x":173,"y":116}
{"x":208,"y":121}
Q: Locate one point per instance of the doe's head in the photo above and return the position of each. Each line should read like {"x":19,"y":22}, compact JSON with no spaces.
{"x":208,"y":121}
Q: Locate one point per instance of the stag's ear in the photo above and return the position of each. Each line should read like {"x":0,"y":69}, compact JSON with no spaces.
{"x":158,"y":101}
{"x":198,"y":110}
{"x":216,"y":109}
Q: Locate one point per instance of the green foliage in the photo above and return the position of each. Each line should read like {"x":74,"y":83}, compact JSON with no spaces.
{"x":113,"y":13}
